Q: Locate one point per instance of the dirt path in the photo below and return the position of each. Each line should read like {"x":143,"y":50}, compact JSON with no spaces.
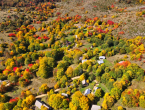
{"x":40,"y":96}
{"x":75,"y":77}
{"x":95,"y":86}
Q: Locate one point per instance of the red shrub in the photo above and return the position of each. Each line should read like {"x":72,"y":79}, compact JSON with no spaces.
{"x":12,"y":35}
{"x":30,"y":65}
{"x":14,"y":100}
{"x":14,"y":69}
{"x":110,"y":22}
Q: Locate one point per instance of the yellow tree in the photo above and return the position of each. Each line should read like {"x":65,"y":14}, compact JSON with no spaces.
{"x":75,"y":98}
{"x":46,"y":67}
{"x":28,"y":101}
{"x":55,"y":100}
{"x":43,"y":88}
{"x":91,"y":97}
{"x":2,"y":107}
{"x":82,"y":77}
{"x":84,"y":103}
{"x":69,"y":72}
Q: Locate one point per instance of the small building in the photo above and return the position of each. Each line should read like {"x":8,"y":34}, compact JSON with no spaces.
{"x":38,"y":104}
{"x":100,"y":62}
{"x":95,"y":89}
{"x":102,"y":57}
{"x":96,"y":107}
{"x":70,"y":85}
{"x":87,"y":91}
{"x":84,"y":83}
{"x":45,"y":105}
{"x":120,"y":62}
{"x":64,"y":94}
{"x":80,"y":58}
{"x":79,"y":27}
{"x":84,"y":60}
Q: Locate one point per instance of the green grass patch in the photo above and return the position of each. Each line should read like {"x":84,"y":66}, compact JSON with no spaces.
{"x":108,"y":63}
{"x":98,"y":48}
{"x":87,"y":45}
{"x":91,"y":85}
{"x":100,"y":101}
{"x":84,"y":31}
{"x":93,"y":58}
{"x":69,"y":37}
{"x":103,"y":87}
{"x":44,"y":99}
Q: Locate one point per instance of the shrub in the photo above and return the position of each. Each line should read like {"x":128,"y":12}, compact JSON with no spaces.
{"x":105,"y":78}
{"x":46,"y":67}
{"x":99,"y":93}
{"x":109,"y":85}
{"x":3,"y":98}
{"x":120,"y":108}
{"x":110,"y":42}
{"x":142,"y":101}
{"x":116,"y":93}
{"x":122,"y":51}
{"x":44,"y":88}
{"x":69,"y":72}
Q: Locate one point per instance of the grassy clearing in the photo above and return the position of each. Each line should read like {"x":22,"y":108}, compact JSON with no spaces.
{"x":69,"y":37}
{"x":103,"y":87}
{"x":15,"y":92}
{"x":88,"y":45}
{"x":84,"y":31}
{"x":108,"y":63}
{"x":98,"y":48}
{"x":44,"y":99}
{"x":93,"y":58}
{"x":91,"y":85}
{"x":137,"y":85}
{"x":100,"y":102}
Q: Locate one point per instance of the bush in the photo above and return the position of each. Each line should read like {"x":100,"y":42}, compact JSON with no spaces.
{"x":105,"y":78}
{"x":109,"y":85}
{"x":3,"y":98}
{"x":99,"y":93}
{"x":8,"y":106}
{"x":84,"y":65}
{"x":116,"y":93}
{"x":44,"y":88}
{"x":77,"y":71}
{"x":110,"y":42}
{"x":142,"y":101}
{"x":122,"y":51}
{"x":99,"y":72}
{"x":13,"y":79}
{"x":91,"y":77}
{"x":116,"y":42}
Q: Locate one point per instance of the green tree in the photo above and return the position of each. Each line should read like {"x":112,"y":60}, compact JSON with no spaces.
{"x":65,"y":103}
{"x":99,"y":93}
{"x":27,"y":60}
{"x":69,"y":72}
{"x":19,"y":102}
{"x":34,"y":56}
{"x":116,"y":93}
{"x":8,"y":106}
{"x":46,"y":67}
{"x":56,"y":101}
